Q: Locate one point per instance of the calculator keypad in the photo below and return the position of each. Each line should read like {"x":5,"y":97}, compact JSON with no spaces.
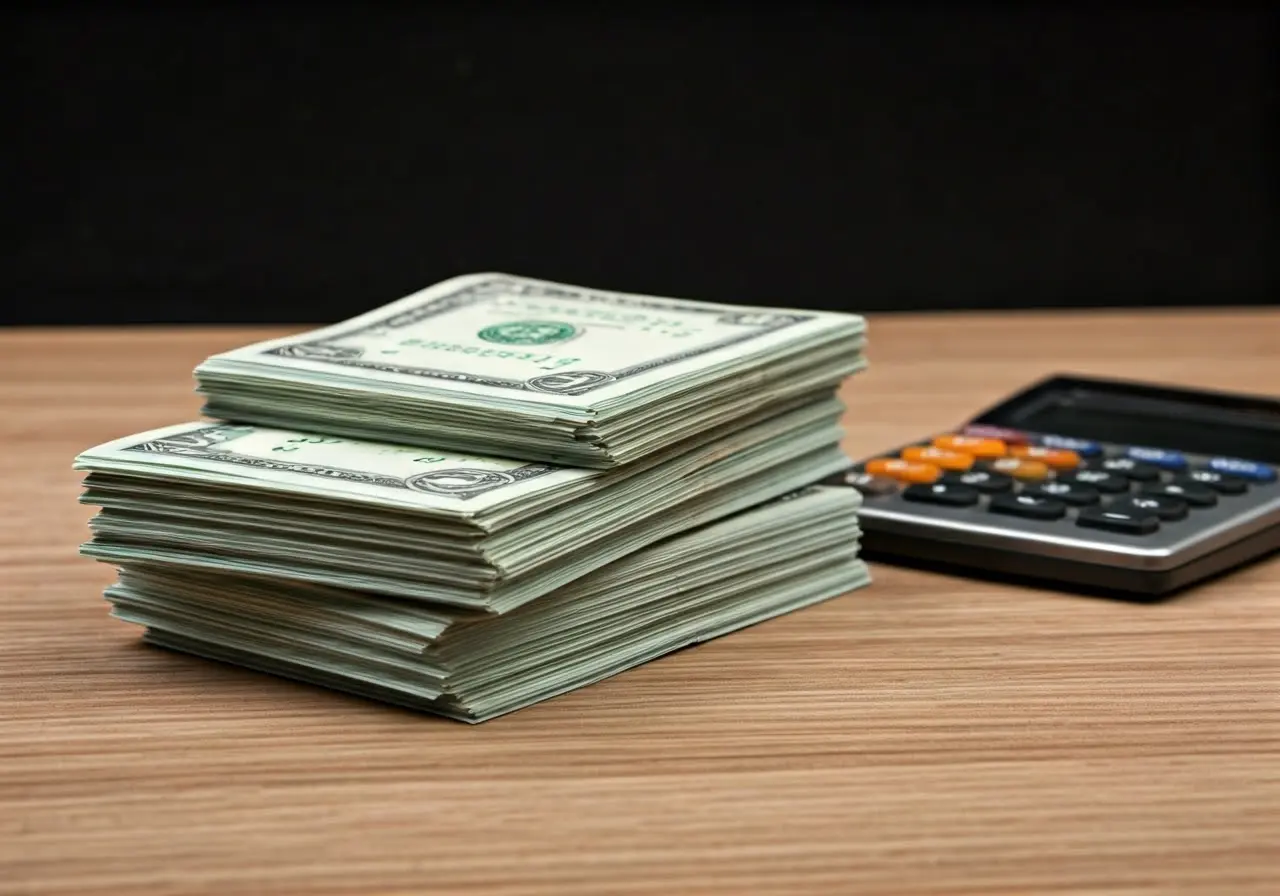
{"x":1018,"y":468}
{"x":1118,"y":520}
{"x":1130,"y":468}
{"x":1243,"y":469}
{"x":1073,"y":493}
{"x":1036,"y":507}
{"x":948,"y":493}
{"x":1164,"y":507}
{"x":1223,"y":485}
{"x":1193,"y":493}
{"x":1057,"y":458}
{"x":1100,"y":480}
{"x":1123,"y":489}
{"x":1082,"y":447}
{"x":902,"y":470}
{"x":985,"y":481}
{"x":1157,"y":457}
{"x":975,"y":446}
{"x":870,"y":484}
{"x":939,"y":457}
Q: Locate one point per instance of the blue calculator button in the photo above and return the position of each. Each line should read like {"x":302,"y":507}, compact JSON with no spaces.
{"x":1158,"y":457}
{"x":1082,"y":447}
{"x":1245,"y":469}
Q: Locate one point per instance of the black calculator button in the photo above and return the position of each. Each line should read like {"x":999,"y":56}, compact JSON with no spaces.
{"x":1127,"y":466}
{"x":946,"y":493}
{"x":1193,"y":493}
{"x":1065,"y":490}
{"x":1114,"y":520}
{"x":1223,"y":485}
{"x":1035,"y":507}
{"x":1166,"y":507}
{"x":985,"y":481}
{"x":1103,"y":480}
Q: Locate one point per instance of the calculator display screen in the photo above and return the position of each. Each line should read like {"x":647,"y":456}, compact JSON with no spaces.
{"x":1134,"y":414}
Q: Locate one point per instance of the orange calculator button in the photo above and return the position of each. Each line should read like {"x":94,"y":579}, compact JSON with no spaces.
{"x":939,"y":457}
{"x":1019,"y":468}
{"x":903,"y":470}
{"x":975,"y":445}
{"x":1058,"y":458}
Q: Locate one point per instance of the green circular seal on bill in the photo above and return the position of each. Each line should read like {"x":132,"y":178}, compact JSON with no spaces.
{"x":528,"y":332}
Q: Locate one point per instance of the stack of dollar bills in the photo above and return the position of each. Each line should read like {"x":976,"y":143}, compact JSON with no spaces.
{"x":513,"y":367}
{"x":474,"y":582}
{"x":472,"y":666}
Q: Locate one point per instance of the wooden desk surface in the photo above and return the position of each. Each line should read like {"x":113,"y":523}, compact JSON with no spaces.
{"x":927,"y":735}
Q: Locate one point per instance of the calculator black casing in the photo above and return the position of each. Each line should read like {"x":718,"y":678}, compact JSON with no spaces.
{"x":1061,"y":554}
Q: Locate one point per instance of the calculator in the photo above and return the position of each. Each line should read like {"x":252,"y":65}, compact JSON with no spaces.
{"x":1132,"y":489}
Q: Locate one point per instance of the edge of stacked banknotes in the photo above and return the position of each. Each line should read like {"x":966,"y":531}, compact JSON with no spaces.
{"x":727,"y":575}
{"x":418,"y":545}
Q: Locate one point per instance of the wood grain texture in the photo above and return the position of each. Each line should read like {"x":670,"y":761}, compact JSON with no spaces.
{"x":927,"y":735}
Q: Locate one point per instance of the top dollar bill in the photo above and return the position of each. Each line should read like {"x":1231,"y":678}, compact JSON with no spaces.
{"x":537,"y":370}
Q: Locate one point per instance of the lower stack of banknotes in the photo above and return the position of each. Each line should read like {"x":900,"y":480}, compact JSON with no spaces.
{"x":458,"y":583}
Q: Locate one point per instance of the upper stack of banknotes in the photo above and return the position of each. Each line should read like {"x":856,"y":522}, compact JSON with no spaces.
{"x":378,"y":508}
{"x":523,"y":368}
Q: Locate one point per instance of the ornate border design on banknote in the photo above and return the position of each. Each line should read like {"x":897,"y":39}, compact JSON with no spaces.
{"x":569,"y":382}
{"x":450,"y":482}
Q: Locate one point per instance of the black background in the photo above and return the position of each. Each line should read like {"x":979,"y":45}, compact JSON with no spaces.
{"x":304,"y":163}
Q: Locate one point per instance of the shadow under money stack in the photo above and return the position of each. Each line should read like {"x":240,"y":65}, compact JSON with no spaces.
{"x":392,"y":555}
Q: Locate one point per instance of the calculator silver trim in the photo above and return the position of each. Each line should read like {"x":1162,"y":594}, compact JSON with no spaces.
{"x":1203,"y":531}
{"x":1156,"y":557}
